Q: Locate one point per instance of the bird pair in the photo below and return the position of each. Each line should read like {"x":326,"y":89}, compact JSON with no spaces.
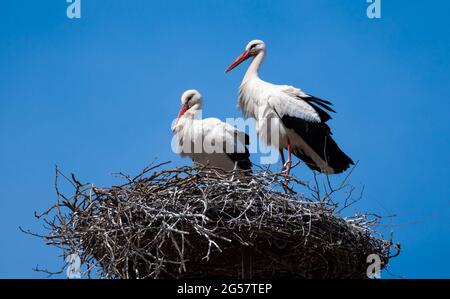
{"x":297,"y":118}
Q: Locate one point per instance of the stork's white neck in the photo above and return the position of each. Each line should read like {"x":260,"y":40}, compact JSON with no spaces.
{"x":187,"y":119}
{"x":253,"y":69}
{"x":193,"y":112}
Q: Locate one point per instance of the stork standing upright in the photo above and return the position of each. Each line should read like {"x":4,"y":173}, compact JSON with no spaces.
{"x":209,"y":141}
{"x":298,"y":118}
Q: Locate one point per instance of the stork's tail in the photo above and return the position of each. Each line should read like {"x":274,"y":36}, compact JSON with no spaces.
{"x":335,"y":159}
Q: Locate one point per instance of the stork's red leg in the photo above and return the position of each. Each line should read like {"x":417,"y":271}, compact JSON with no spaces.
{"x":282,"y":157}
{"x":288,"y":163}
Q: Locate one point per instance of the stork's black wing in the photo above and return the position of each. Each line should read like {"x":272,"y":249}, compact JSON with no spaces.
{"x":318,"y":137}
{"x":314,"y":131}
{"x":240,"y":155}
{"x":318,"y":104}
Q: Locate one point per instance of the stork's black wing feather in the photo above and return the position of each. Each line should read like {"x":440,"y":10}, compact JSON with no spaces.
{"x":324,"y":104}
{"x":317,"y":105}
{"x":242,"y":158}
{"x":324,"y":116}
{"x":318,"y":137}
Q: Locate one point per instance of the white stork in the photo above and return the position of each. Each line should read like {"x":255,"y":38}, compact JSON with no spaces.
{"x":209,"y":141}
{"x":299,"y":118}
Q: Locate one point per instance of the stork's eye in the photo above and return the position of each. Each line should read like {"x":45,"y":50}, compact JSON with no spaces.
{"x":253,"y":46}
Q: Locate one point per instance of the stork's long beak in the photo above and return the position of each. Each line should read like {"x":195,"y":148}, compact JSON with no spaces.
{"x":183,"y":110}
{"x":244,"y":56}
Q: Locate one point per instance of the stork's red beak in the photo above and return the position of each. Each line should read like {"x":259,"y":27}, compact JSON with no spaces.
{"x":244,"y":56}
{"x":183,"y":110}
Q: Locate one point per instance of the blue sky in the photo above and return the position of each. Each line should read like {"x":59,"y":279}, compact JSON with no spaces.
{"x":97,"y":95}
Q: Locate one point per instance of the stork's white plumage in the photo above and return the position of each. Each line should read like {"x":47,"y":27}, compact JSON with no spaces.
{"x":299,"y":118}
{"x":209,"y":141}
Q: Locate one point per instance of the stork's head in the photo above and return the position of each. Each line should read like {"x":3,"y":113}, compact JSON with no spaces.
{"x":255,"y":46}
{"x":191,"y":102}
{"x":252,"y":49}
{"x":190,"y":99}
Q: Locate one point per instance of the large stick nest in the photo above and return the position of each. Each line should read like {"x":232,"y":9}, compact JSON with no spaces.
{"x":194,"y":222}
